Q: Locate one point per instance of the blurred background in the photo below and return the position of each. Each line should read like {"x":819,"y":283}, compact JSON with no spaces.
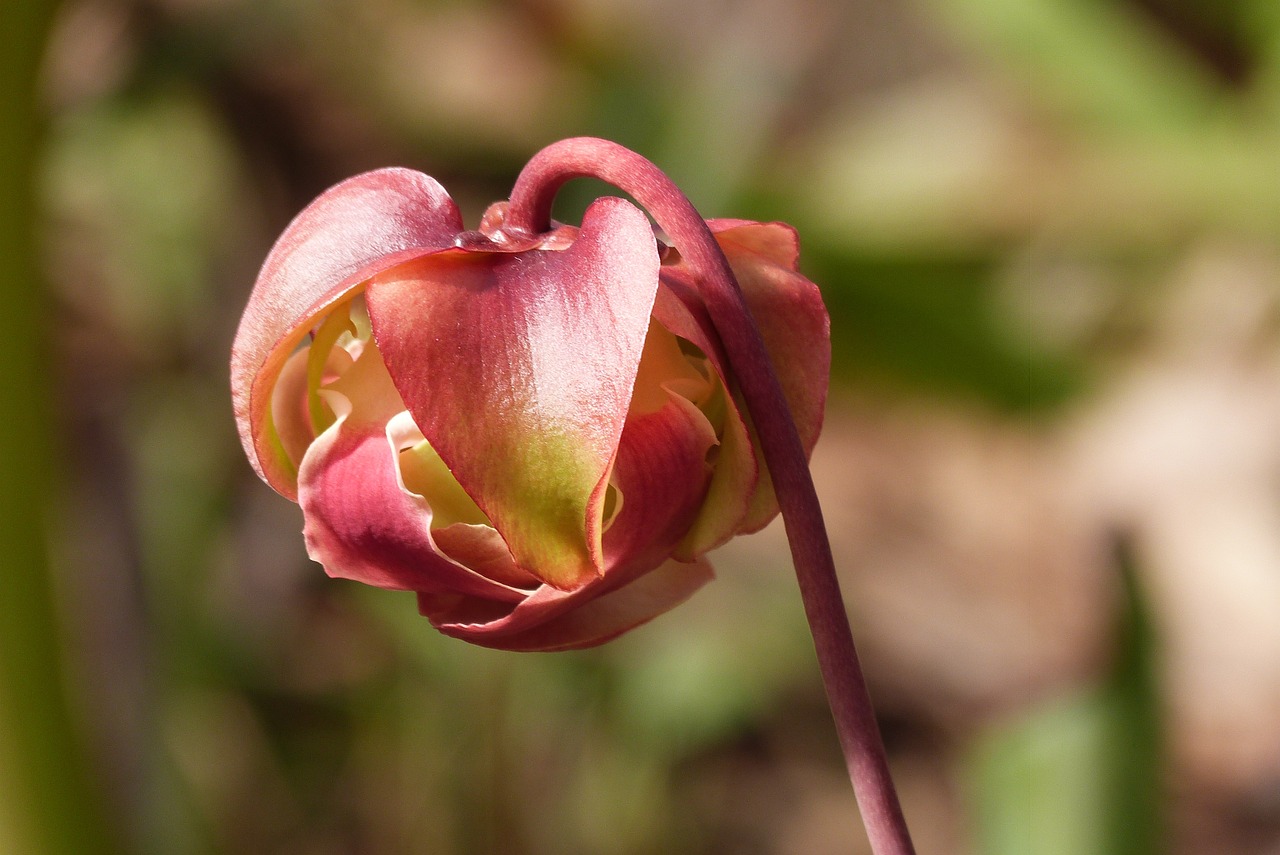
{"x":1049,"y":235}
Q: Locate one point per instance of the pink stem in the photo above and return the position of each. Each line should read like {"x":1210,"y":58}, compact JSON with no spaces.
{"x":530,"y":210}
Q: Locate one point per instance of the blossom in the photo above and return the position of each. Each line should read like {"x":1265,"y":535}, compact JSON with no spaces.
{"x":540,"y":435}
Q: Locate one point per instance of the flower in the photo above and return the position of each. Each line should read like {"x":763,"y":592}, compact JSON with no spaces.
{"x":540,"y":435}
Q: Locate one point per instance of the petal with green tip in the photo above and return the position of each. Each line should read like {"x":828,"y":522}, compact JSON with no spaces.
{"x":518,"y":368}
{"x":661,"y":476}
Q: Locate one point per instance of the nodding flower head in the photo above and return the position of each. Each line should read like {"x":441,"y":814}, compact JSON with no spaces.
{"x":539,"y":434}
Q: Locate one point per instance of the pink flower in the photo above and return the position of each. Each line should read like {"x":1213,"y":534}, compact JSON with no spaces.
{"x":538,"y":434}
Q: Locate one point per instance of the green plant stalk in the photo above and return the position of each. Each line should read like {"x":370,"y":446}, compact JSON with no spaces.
{"x":1133,"y":784}
{"x":48,"y":805}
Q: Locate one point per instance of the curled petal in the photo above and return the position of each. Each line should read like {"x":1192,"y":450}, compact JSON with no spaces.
{"x":352,"y":231}
{"x":734,"y":482}
{"x":661,"y":474}
{"x":361,"y":521}
{"x":797,"y":332}
{"x":482,"y":549}
{"x":518,"y":367}
{"x":567,"y":620}
{"x":679,"y":309}
{"x":294,"y":400}
{"x":776,"y":243}
{"x":289,"y":411}
{"x":793,"y":321}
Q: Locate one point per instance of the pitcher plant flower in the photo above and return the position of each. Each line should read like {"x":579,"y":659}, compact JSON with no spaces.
{"x":541,"y":429}
{"x":537,"y":434}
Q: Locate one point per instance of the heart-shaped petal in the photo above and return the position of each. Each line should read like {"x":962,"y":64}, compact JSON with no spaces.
{"x":518,"y":367}
{"x":661,"y":476}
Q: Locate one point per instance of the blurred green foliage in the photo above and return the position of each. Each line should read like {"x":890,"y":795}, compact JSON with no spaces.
{"x":928,"y":323}
{"x":46,"y":801}
{"x":1084,"y":773}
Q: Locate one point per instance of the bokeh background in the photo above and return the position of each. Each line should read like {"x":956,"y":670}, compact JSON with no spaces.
{"x":1049,"y":235}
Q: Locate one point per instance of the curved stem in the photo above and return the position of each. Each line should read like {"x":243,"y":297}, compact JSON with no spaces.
{"x":530,"y":210}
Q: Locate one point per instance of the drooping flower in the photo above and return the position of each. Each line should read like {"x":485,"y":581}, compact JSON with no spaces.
{"x":540,"y":435}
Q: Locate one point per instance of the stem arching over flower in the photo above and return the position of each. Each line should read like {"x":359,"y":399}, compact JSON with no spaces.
{"x":541,"y":429}
{"x":784,"y":452}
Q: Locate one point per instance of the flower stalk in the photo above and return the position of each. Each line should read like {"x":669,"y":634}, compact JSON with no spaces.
{"x":856,"y":726}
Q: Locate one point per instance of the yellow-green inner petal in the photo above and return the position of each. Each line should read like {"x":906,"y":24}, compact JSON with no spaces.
{"x":337,"y":323}
{"x":666,"y":366}
{"x":425,"y":473}
{"x":670,"y":367}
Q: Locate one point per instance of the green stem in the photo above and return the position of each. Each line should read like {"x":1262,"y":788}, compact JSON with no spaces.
{"x":530,"y":210}
{"x":48,"y":805}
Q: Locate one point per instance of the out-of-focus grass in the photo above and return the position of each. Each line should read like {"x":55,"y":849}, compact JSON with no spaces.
{"x":47,"y":803}
{"x":1036,"y":782}
{"x":1086,"y":772}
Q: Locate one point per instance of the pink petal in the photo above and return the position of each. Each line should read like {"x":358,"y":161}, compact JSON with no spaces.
{"x":662,"y":477}
{"x":290,"y":413}
{"x":796,"y":329}
{"x":360,"y":521}
{"x":584,"y":618}
{"x":778,"y":243}
{"x":518,"y":368}
{"x":679,"y":308}
{"x":354,"y":230}
{"x":482,"y":549}
{"x":734,"y":480}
